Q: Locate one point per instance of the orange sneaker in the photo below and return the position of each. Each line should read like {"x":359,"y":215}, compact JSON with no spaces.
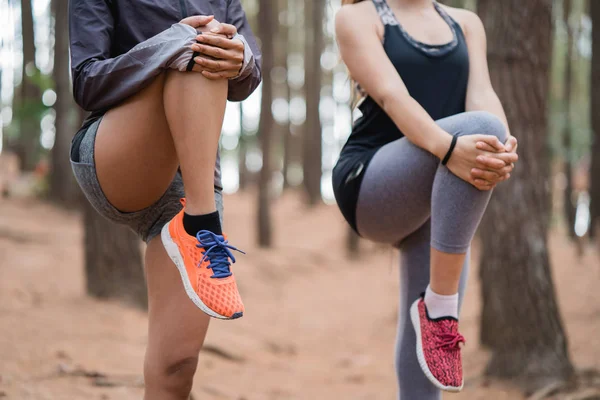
{"x":204,"y":263}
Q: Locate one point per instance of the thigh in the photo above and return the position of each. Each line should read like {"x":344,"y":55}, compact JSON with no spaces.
{"x":135,"y":157}
{"x":395,"y":194}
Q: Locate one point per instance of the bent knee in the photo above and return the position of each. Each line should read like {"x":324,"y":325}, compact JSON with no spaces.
{"x":173,"y":375}
{"x":486,"y":123}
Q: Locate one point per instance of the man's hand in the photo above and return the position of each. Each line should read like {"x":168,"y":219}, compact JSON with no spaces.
{"x":222,"y":57}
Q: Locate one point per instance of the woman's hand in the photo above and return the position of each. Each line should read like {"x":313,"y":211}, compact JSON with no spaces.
{"x":481,"y":168}
{"x":488,"y":164}
{"x":222,"y":56}
{"x":199,"y":21}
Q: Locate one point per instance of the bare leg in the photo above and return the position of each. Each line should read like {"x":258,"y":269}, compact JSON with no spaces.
{"x":193,"y":105}
{"x":175,"y":121}
{"x":135,"y":154}
{"x":136,"y":159}
{"x":176,"y":330}
{"x":446,"y":269}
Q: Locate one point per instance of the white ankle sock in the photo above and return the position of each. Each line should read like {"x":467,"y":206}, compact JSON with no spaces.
{"x":441,"y":306}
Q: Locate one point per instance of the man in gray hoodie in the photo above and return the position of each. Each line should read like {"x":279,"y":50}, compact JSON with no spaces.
{"x":156,"y":76}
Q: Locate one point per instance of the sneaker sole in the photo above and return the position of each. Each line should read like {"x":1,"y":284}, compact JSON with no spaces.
{"x":414,"y":316}
{"x":173,"y":252}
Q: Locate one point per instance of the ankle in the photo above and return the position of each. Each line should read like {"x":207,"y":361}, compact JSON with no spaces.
{"x":203,"y":222}
{"x":441,"y":287}
{"x":441,"y":305}
{"x":199,"y":209}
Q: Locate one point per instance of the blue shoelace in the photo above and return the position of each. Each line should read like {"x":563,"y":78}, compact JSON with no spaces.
{"x":217,"y":251}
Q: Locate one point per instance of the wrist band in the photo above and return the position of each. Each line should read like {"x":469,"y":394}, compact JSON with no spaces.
{"x":192,"y":63}
{"x":450,"y":150}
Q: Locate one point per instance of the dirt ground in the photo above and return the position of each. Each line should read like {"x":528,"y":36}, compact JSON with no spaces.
{"x":332,"y":337}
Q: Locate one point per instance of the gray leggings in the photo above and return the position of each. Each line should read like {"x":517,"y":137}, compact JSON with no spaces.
{"x":408,"y":199}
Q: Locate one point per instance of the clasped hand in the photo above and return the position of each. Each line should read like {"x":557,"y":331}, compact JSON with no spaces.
{"x":221,"y":54}
{"x":483,"y":161}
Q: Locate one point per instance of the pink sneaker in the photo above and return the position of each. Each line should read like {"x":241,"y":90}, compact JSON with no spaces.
{"x":438,"y":348}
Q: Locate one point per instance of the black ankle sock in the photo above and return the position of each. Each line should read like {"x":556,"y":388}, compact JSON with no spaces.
{"x":207,"y":222}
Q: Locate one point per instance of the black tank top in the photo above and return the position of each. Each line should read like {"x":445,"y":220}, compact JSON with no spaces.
{"x":436,"y":77}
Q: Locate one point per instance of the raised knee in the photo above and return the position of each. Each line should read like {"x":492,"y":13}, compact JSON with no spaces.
{"x":175,"y":376}
{"x":489,"y":124}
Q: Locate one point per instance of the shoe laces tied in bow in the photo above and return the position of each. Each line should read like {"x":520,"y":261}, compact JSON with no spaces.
{"x":450,"y":341}
{"x":217,"y":251}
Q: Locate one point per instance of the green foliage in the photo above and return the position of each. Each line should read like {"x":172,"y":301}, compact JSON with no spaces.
{"x":42,"y":81}
{"x":31,"y":108}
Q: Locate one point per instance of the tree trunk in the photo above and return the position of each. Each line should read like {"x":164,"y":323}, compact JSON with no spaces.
{"x":294,"y":147}
{"x":569,"y":207}
{"x":242,"y":152}
{"x":113,"y":260}
{"x":283,"y":89}
{"x":29,"y":137}
{"x":267,"y":23}
{"x":314,"y":42}
{"x":520,"y":317}
{"x":595,"y":106}
{"x":63,"y":189}
{"x":287,"y":149}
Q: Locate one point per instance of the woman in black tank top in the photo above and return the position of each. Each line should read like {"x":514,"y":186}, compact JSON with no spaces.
{"x":418,"y":168}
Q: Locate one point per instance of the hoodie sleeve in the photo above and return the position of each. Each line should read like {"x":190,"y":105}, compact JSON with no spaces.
{"x":243,"y":85}
{"x":101,"y":81}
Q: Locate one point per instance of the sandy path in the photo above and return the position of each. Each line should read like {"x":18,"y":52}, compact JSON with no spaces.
{"x":332,"y":337}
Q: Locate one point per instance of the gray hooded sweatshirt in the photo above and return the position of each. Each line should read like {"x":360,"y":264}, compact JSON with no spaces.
{"x":119,"y":46}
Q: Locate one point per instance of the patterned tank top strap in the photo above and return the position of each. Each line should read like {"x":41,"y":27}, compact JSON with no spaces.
{"x":385,"y":12}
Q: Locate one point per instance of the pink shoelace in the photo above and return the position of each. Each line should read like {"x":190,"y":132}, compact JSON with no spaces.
{"x":450,"y":341}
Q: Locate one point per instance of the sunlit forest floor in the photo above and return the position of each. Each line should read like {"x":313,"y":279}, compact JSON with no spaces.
{"x":318,"y":326}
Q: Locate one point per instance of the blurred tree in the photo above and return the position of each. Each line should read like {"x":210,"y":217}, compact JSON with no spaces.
{"x":243,"y":152}
{"x":267,"y":22}
{"x":247,"y":140}
{"x":293,"y":149}
{"x":63,"y":188}
{"x":282,"y":88}
{"x":595,"y":106}
{"x":520,"y":318}
{"x":113,"y":260}
{"x":113,"y":257}
{"x":569,"y":206}
{"x":314,"y":12}
{"x":29,"y":137}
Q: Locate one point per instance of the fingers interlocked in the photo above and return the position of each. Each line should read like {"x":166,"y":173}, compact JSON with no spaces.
{"x":221,"y":55}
